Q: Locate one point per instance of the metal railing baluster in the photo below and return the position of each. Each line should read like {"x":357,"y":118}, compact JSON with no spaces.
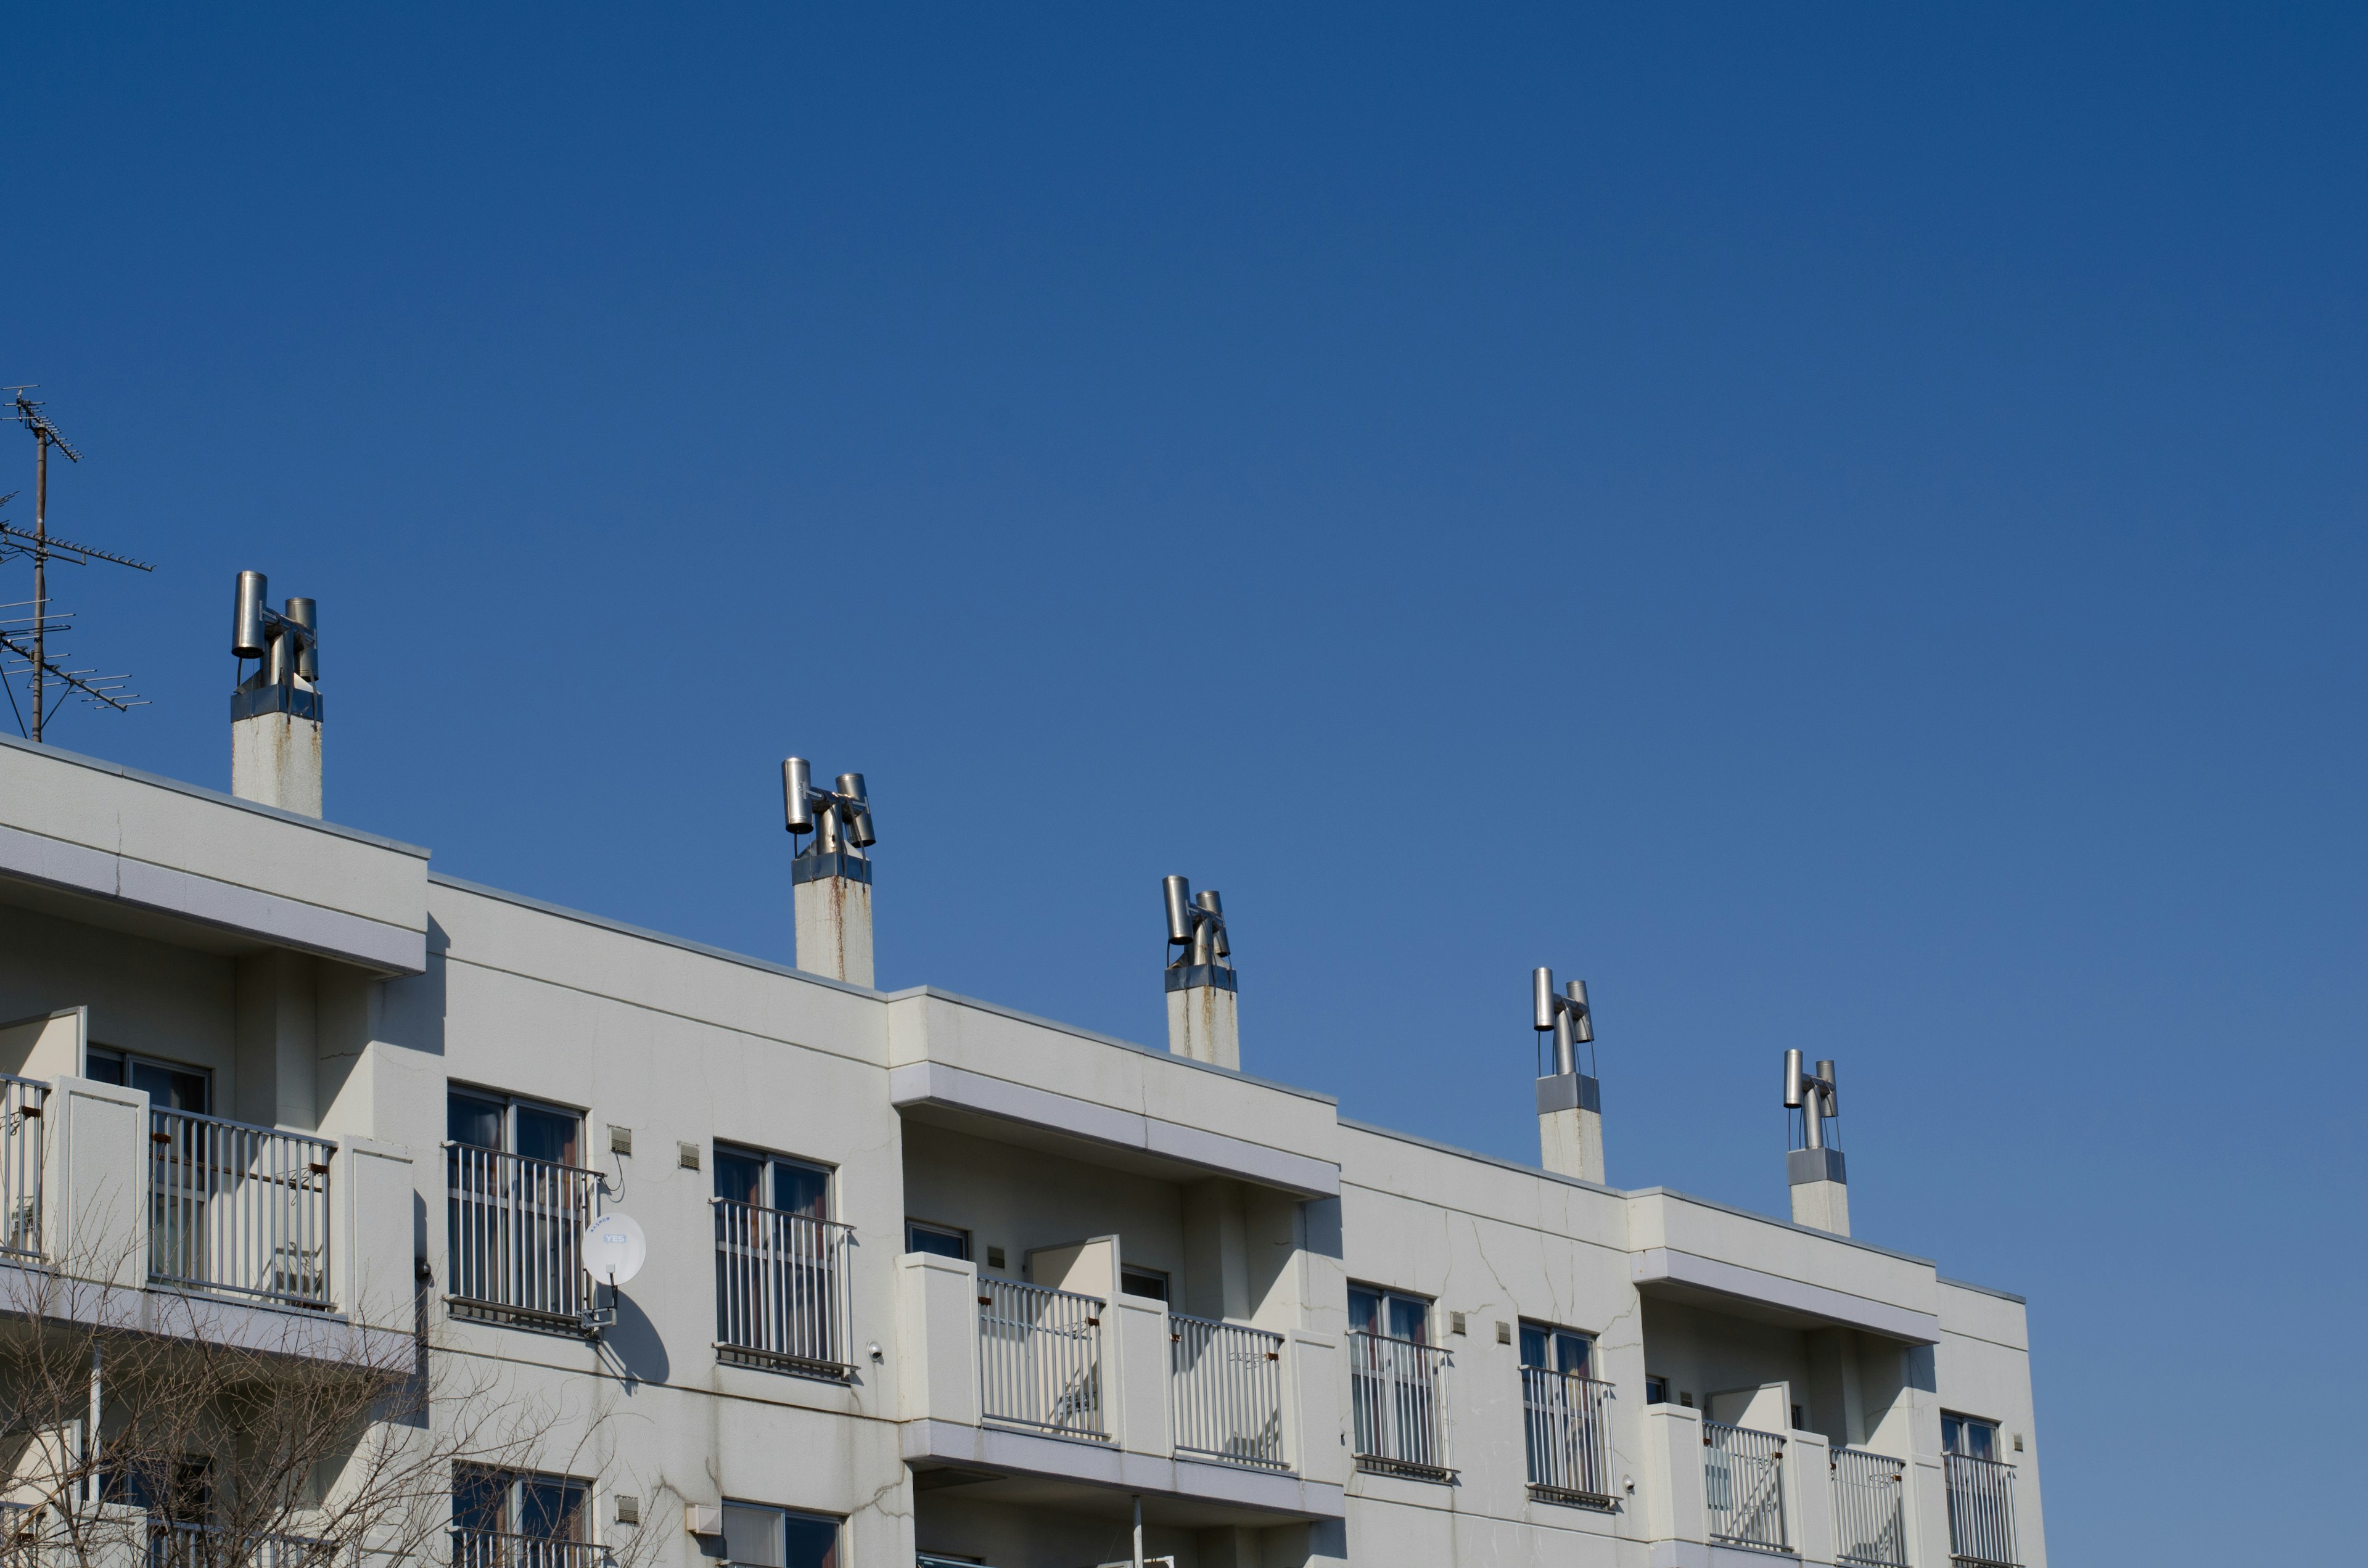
{"x":238,"y":1209}
{"x":1225,"y":1381}
{"x":1870,"y":1508}
{"x":515,"y":1236}
{"x":1395,"y":1385}
{"x":1040,"y":1358}
{"x":1743,"y":1485}
{"x":1981,"y":1511}
{"x":780,"y":1288}
{"x":1569,"y":1431}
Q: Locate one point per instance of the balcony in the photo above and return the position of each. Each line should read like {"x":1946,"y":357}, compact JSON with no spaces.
{"x":1400,"y":1406}
{"x":517,"y":1237}
{"x":1568,"y":1420}
{"x":780,"y":1290}
{"x":1069,"y":1395}
{"x":1981,"y":1512}
{"x":1870,"y":1509}
{"x":238,"y":1210}
{"x":195,"y":1225}
{"x":1225,"y":1388}
{"x":1743,"y":1486}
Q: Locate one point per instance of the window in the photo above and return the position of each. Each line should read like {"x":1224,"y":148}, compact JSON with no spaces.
{"x":780,"y":1265}
{"x":518,"y":1201}
{"x":1656,"y":1389}
{"x":769,"y":1181}
{"x":1149,"y":1283}
{"x":759,"y":1537}
{"x":942,"y":1240}
{"x":1390,"y":1313}
{"x":512,"y":1126}
{"x":170,"y":1085}
{"x":1969,"y":1436}
{"x":1556,"y":1350}
{"x":509,"y":1518}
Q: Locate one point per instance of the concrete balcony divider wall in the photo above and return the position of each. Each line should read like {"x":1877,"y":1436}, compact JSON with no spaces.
{"x":1675,"y":1506}
{"x":1134,"y":1378}
{"x":1310,"y":1409}
{"x":937,"y":1339}
{"x":373,"y":1267}
{"x":1928,"y":1510}
{"x":1809,"y":1496}
{"x":95,"y":1192}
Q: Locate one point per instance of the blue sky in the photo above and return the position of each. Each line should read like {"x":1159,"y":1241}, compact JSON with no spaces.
{"x":1841,"y":526}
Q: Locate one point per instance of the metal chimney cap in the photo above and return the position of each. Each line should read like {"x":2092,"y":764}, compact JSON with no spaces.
{"x":246,"y":620}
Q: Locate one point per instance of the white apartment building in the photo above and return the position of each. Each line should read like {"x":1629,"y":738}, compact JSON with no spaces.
{"x":927,"y":1281}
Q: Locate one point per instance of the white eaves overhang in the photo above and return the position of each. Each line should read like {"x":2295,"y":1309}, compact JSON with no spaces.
{"x":956,"y":1098}
{"x":1673,"y":1275}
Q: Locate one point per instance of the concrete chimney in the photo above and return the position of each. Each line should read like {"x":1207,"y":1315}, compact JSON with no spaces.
{"x":275,"y":713}
{"x":1570,"y":1103}
{"x":830,"y":879}
{"x":1819,"y":1180}
{"x":1203,"y":997}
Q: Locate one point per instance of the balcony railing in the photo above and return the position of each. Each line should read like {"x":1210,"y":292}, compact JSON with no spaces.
{"x":238,"y":1209}
{"x":1743,"y":1481}
{"x":1569,"y":1422}
{"x":1226,"y":1383}
{"x":1981,"y":1511}
{"x":781,"y":1288}
{"x":22,"y":1100}
{"x":497,"y":1549}
{"x":518,"y":1236}
{"x":1040,"y":1358}
{"x":1401,"y":1410}
{"x":1871,"y":1510}
{"x":178,"y":1545}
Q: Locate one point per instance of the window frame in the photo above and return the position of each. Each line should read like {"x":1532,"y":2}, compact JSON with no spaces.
{"x":1166,"y":1282}
{"x":513,"y":1513}
{"x":125,"y":1058}
{"x":1386,"y":1295}
{"x":1961,"y":1421}
{"x":781,"y":1516}
{"x":1556,"y":1334}
{"x":511,"y":1105}
{"x":1656,"y":1389}
{"x":771,"y":1161}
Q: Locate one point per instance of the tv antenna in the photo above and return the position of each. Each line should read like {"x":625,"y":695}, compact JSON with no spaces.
{"x":26,"y":637}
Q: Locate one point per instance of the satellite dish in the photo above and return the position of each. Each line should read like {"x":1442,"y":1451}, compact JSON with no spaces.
{"x":614,"y":1249}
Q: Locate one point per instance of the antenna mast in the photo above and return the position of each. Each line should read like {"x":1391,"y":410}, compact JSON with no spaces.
{"x":96,"y":689}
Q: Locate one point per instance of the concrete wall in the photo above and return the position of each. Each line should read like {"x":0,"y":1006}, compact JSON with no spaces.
{"x":1500,"y":1246}
{"x":1982,"y":1368}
